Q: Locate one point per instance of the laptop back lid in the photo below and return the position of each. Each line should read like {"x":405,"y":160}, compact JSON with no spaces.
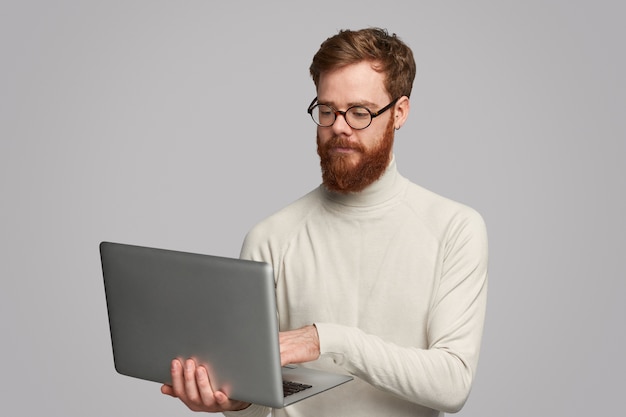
{"x":166,"y":304}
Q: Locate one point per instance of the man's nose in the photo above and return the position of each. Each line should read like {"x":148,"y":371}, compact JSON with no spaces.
{"x":341,"y":125}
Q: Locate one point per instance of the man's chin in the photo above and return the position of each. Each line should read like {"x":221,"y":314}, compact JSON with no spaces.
{"x":344,"y":165}
{"x":349,"y":160}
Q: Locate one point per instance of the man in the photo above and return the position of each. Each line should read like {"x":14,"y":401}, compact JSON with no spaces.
{"x":375,"y":276}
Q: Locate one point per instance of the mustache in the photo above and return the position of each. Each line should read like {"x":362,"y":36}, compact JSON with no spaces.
{"x":337,"y":142}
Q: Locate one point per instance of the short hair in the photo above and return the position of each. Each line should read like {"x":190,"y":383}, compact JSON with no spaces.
{"x":387,"y":53}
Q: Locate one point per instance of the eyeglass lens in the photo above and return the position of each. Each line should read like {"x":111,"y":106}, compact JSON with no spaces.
{"x":357,"y":117}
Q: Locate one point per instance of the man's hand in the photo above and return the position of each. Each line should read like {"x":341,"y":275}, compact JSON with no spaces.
{"x":191,"y":384}
{"x":301,"y":345}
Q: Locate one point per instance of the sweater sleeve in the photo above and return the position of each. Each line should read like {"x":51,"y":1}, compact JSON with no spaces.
{"x":253,"y":411}
{"x":439,"y":376}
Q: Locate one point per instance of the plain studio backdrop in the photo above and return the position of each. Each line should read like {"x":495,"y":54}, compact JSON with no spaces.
{"x":180,"y":124}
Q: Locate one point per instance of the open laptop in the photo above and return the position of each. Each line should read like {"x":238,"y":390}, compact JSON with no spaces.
{"x":165,"y":304}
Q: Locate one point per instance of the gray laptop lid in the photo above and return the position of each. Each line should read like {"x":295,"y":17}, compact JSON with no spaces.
{"x":165,"y":304}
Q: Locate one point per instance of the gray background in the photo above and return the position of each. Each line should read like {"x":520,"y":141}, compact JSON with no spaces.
{"x":180,"y":124}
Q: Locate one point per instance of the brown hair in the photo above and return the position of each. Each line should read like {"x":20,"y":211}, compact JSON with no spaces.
{"x":387,"y":53}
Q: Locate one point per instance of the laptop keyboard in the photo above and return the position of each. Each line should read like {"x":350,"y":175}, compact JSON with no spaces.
{"x":290,"y":387}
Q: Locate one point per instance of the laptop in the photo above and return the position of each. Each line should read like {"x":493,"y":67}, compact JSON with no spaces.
{"x":164,"y":304}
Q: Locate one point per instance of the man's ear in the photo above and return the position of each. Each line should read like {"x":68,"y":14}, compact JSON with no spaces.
{"x":402,"y":108}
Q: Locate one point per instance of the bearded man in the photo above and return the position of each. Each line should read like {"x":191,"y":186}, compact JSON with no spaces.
{"x":376,"y":277}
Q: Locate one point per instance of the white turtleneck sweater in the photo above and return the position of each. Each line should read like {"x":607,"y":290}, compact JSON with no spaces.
{"x":395,"y":279}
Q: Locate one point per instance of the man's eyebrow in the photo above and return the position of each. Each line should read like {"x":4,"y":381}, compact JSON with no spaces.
{"x":364,"y":103}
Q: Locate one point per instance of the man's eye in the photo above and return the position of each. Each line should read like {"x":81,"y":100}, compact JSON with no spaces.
{"x":360,"y":113}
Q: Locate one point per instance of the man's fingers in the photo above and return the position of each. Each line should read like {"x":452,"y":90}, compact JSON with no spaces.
{"x":191,"y":388}
{"x":221,"y":398}
{"x":167,"y":390}
{"x":204,"y":386}
{"x":178,"y":384}
{"x":191,"y":384}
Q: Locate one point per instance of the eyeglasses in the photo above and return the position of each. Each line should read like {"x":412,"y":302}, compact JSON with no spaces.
{"x":357,"y":117}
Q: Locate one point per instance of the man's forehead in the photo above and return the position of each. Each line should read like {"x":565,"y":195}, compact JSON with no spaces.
{"x":354,"y":84}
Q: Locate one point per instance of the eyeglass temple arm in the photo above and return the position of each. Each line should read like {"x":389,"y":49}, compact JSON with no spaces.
{"x":311,"y":105}
{"x":384,"y":109}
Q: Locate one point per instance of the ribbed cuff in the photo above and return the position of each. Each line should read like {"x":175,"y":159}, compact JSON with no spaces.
{"x":332,"y":341}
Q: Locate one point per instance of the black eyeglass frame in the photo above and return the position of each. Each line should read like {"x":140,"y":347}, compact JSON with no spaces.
{"x":343,"y":113}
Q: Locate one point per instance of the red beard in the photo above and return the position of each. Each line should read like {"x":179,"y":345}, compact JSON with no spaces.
{"x":341,"y":175}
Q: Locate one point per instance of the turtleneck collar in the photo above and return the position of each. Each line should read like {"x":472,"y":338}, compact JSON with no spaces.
{"x":380,"y":191}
